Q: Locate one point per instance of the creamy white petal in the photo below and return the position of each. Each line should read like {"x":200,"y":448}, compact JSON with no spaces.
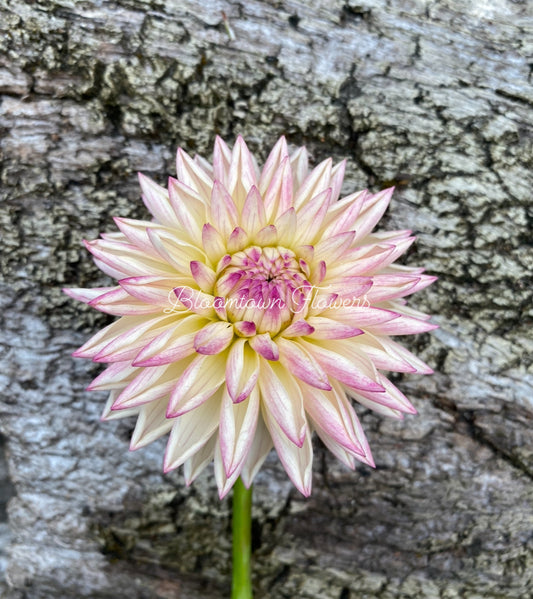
{"x":151,"y":424}
{"x":297,"y":460}
{"x":190,"y":432}
{"x":238,"y":423}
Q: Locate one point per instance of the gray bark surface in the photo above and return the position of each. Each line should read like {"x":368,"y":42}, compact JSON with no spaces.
{"x":434,"y":97}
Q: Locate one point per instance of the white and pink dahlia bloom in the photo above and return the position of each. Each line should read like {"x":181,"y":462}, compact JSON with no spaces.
{"x":254,"y":308}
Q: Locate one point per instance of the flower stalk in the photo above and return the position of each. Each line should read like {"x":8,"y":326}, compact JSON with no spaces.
{"x":241,"y":586}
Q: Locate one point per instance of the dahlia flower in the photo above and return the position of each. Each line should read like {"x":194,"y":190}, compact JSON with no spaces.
{"x":254,"y":307}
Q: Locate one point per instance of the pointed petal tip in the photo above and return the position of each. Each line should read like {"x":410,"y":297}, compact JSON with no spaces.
{"x":240,"y":398}
{"x":223,"y":492}
{"x":98,"y":359}
{"x":171,"y":413}
{"x":302,"y":436}
{"x":370,"y":461}
{"x":305,"y":488}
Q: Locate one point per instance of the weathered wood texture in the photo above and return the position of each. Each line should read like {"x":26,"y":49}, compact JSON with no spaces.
{"x":433,"y":96}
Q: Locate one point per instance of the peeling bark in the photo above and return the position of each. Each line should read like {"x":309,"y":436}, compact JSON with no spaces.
{"x":434,"y":97}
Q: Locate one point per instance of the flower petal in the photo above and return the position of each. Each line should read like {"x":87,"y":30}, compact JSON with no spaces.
{"x":119,"y":302}
{"x":373,"y":209}
{"x":136,"y":233}
{"x":310,"y":217}
{"x":285,"y":226}
{"x":189,"y":208}
{"x":267,"y":236}
{"x":204,"y":276}
{"x":316,"y":183}
{"x":238,"y":240}
{"x":221,"y":160}
{"x":190,"y":432}
{"x":238,"y":423}
{"x":277,"y":155}
{"x":224,"y":482}
{"x":214,"y":338}
{"x":194,"y":465}
{"x":337,"y":177}
{"x":264,"y":346}
{"x":328,"y":328}
{"x":298,"y":328}
{"x":200,"y":380}
{"x":245,"y":328}
{"x":278,"y":195}
{"x":151,"y":424}
{"x":126,"y":345}
{"x":330,"y":416}
{"x":195,"y":301}
{"x":176,"y":253}
{"x":351,"y":370}
{"x":331,"y":249}
{"x":302,"y":364}
{"x":343,"y":214}
{"x":156,"y":200}
{"x":282,"y":399}
{"x":257,"y":453}
{"x":154,"y":291}
{"x":253,"y":217}
{"x":127,"y":259}
{"x":403,"y":325}
{"x":241,"y":172}
{"x":97,"y":342}
{"x":173,"y":344}
{"x":223,"y":210}
{"x":297,"y":460}
{"x":242,"y":370}
{"x":109,"y":414}
{"x":213,"y":243}
{"x":87,"y":295}
{"x":149,"y":385}
{"x":392,"y":398}
{"x":116,"y":376}
{"x":299,"y":167}
{"x":193,"y":175}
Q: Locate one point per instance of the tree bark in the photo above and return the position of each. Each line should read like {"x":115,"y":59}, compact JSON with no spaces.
{"x":433,"y":97}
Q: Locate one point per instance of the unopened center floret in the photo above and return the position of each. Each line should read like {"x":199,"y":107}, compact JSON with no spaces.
{"x":265,"y":286}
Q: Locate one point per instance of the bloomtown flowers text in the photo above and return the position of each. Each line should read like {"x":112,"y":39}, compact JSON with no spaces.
{"x":191,"y":299}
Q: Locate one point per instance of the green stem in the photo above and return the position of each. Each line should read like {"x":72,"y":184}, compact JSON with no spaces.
{"x":241,"y":587}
